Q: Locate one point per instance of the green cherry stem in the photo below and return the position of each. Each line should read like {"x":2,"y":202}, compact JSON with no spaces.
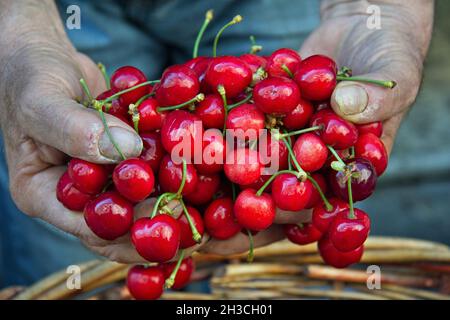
{"x":334,"y":153}
{"x":158,"y":202}
{"x":328,"y":205}
{"x":197,"y":98}
{"x":381,"y":83}
{"x":223,"y":94}
{"x":133,"y":110}
{"x":250,"y":255}
{"x":208,"y":17}
{"x":86,"y":90}
{"x":118,"y":94}
{"x":266,"y":184}
{"x":351,"y":214}
{"x":102,"y":68}
{"x":195,"y":235}
{"x":293,"y":133}
{"x":183,"y":179}
{"x":237,"y":104}
{"x":171,"y":280}
{"x":294,"y":159}
{"x":286,"y":69}
{"x":255,"y":48}
{"x":235,"y":20}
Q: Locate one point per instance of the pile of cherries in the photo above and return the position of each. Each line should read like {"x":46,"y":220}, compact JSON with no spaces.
{"x":325,"y":162}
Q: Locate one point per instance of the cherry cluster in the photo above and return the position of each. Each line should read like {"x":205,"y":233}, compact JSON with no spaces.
{"x":325,"y":163}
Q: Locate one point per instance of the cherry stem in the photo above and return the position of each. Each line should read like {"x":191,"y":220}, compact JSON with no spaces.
{"x":133,"y":110}
{"x":208,"y":17}
{"x":183,"y":179}
{"x":289,"y":155}
{"x":255,"y":47}
{"x":195,"y":235}
{"x":197,"y":98}
{"x":382,"y":83}
{"x":223,"y":94}
{"x":251,"y":254}
{"x":237,"y":104}
{"x":157,"y":203}
{"x":352,"y":152}
{"x":102,"y":68}
{"x":286,"y":69}
{"x":328,"y":205}
{"x":86,"y":90}
{"x":351,"y":214}
{"x":293,"y":133}
{"x":335,"y":154}
{"x":118,"y":94}
{"x":266,"y":184}
{"x":294,"y":159}
{"x":235,"y":20}
{"x":171,"y":280}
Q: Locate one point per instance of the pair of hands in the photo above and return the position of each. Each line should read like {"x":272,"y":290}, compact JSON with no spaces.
{"x":42,"y":123}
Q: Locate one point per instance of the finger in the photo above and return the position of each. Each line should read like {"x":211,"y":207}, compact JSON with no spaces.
{"x":145,"y":208}
{"x":292,"y":217}
{"x":390,"y":128}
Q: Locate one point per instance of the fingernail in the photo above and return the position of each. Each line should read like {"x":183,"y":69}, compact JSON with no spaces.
{"x":128,"y":142}
{"x":351,"y":99}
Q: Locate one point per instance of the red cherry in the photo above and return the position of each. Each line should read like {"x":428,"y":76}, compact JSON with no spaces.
{"x":156,"y":239}
{"x":310,"y":152}
{"x":109,"y":215}
{"x":116,"y":109}
{"x":248,"y":118}
{"x":207,"y":186}
{"x":259,"y":183}
{"x":127,"y":77}
{"x":277,"y":154}
{"x":374,"y":127}
{"x":254,"y":212}
{"x":184,"y":272}
{"x":315,"y":196}
{"x":299,"y":117}
{"x":145,"y":283}
{"x":343,"y":154}
{"x":370,"y":147}
{"x":220,"y":222}
{"x":322,"y":218}
{"x":230,"y":72}
{"x":289,"y":193}
{"x":69,"y":196}
{"x":153,"y":151}
{"x":186,"y":236}
{"x":178,"y":85}
{"x":211,"y":111}
{"x":213,"y":152}
{"x":336,"y":258}
{"x":134,"y":179}
{"x":171,"y":175}
{"x":276,"y":95}
{"x":316,"y":77}
{"x":200,"y":65}
{"x":304,"y":234}
{"x":149,"y":118}
{"x":254,"y":61}
{"x":87,"y":177}
{"x":242,"y":166}
{"x":337,"y":132}
{"x":348,"y":234}
{"x":284,"y":56}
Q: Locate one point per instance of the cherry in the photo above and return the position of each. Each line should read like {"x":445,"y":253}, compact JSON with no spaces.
{"x":109,"y":215}
{"x":348,"y":233}
{"x":134,"y":179}
{"x":302,"y":234}
{"x":364,"y":180}
{"x":127,"y":77}
{"x":370,"y":147}
{"x":343,"y":154}
{"x":254,"y":212}
{"x":145,"y":283}
{"x":259,"y":183}
{"x":248,"y":118}
{"x":230,"y":72}
{"x":207,"y":186}
{"x":276,"y":95}
{"x":213,"y":152}
{"x":315,"y":196}
{"x":242,"y":166}
{"x":276,"y":150}
{"x":310,"y":152}
{"x":322,"y":218}
{"x":220,"y":222}
{"x":171,"y":175}
{"x":336,"y":132}
{"x":149,"y":118}
{"x":374,"y":127}
{"x":283,"y":57}
{"x":156,"y":239}
{"x":316,"y":77}
{"x":211,"y":111}
{"x":153,"y":151}
{"x":200,"y":65}
{"x":289,"y":193}
{"x":184,"y":272}
{"x":299,"y":117}
{"x":254,"y":61}
{"x":86,"y":176}
{"x":186,"y":236}
{"x":115,"y":109}
{"x":179,"y":84}
{"x":336,"y":258}
{"x":69,"y":195}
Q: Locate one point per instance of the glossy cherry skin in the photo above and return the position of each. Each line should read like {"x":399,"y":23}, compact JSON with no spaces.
{"x":242,"y":166}
{"x":370,"y":147}
{"x":254,"y":212}
{"x":69,"y":195}
{"x":157,"y":239}
{"x":284,"y":56}
{"x":207,"y":186}
{"x":337,"y":132}
{"x":349,"y":234}
{"x":149,"y":118}
{"x":186,"y":239}
{"x":171,"y":174}
{"x":289,"y":193}
{"x":246,"y":117}
{"x":305,"y":234}
{"x":316,"y":77}
{"x":145,"y":283}
{"x":299,"y":117}
{"x":310,"y":152}
{"x":374,"y":127}
{"x":127,"y":77}
{"x":231,"y":72}
{"x":336,"y":258}
{"x":276,"y":155}
{"x":211,"y":111}
{"x":184,"y":272}
{"x":115,"y":109}
{"x":109,"y":215}
{"x":181,"y":130}
{"x":200,"y":65}
{"x":321,"y":218}
{"x":276,"y":95}
{"x":178,"y":84}
{"x":153,"y":150}
{"x":134,"y":179}
{"x":86,"y":176}
{"x":254,"y":61}
{"x":315,"y":196}
{"x":213,"y":153}
{"x":364,"y":180}
{"x":219,"y":219}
